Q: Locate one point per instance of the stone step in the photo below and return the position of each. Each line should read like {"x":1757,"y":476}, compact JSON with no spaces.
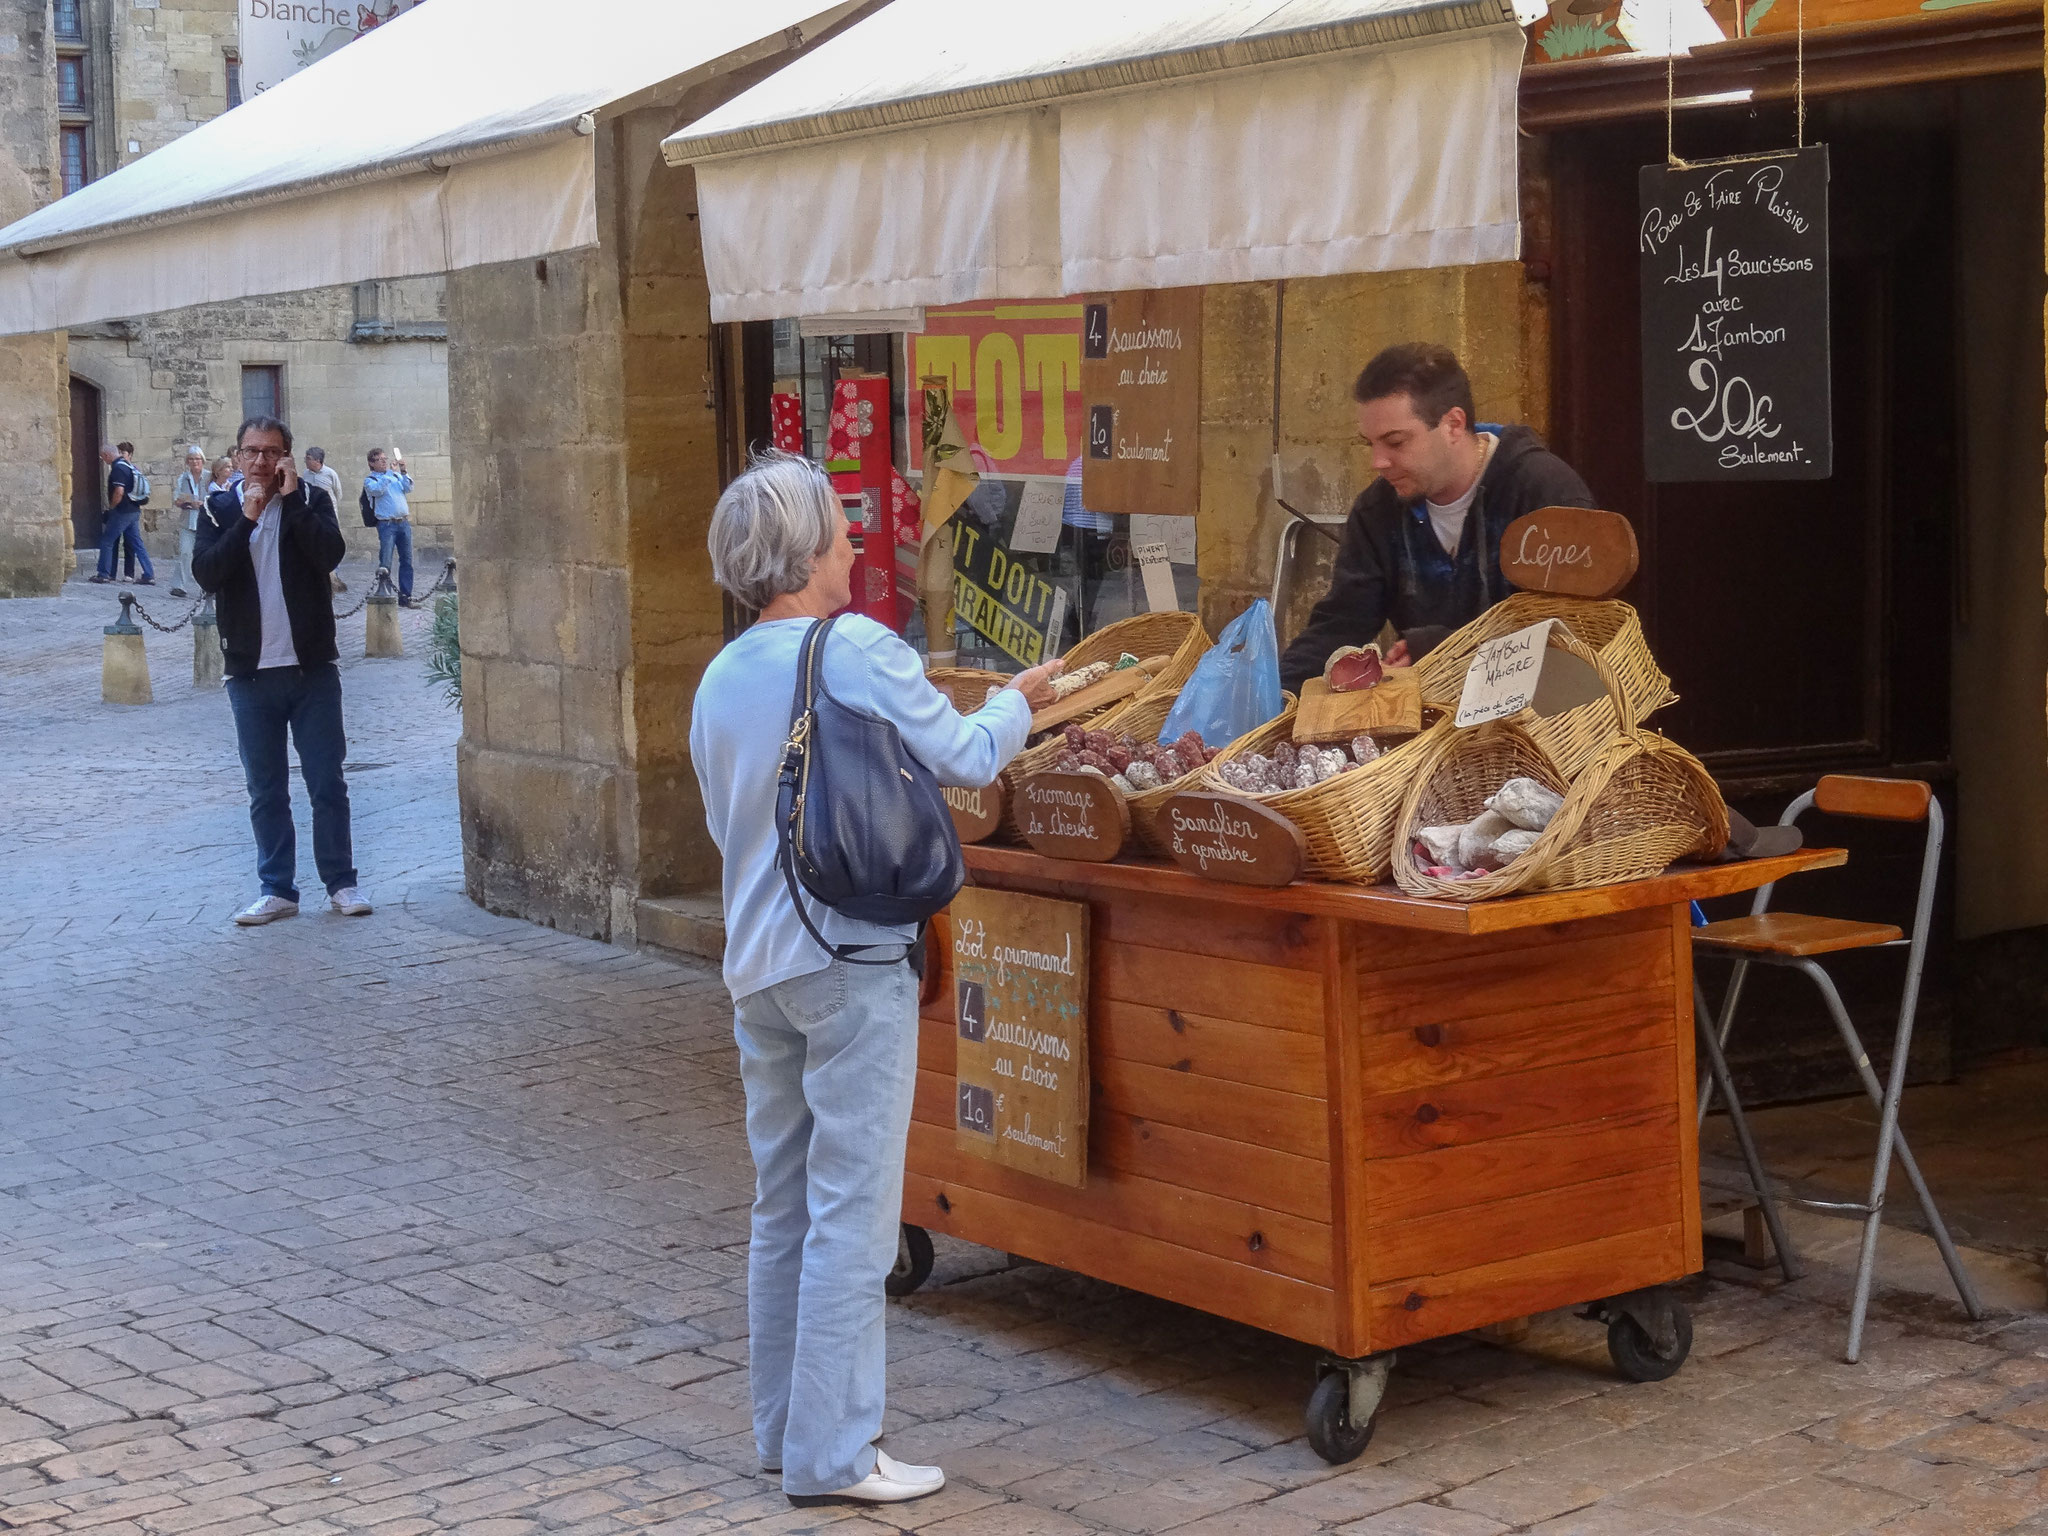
{"x":692,"y":925}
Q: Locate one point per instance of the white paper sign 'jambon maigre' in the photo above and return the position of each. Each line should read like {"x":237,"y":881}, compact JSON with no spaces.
{"x":1523,"y":671}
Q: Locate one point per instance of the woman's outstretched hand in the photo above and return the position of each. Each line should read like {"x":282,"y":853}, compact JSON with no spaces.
{"x":1036,"y":684}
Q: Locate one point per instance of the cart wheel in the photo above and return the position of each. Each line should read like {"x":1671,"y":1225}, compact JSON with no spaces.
{"x":1330,"y":1430}
{"x":1636,"y":1354}
{"x":913,"y":1260}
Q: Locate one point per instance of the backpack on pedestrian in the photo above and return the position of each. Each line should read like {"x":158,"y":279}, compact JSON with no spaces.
{"x":363,"y":505}
{"x":140,"y":494}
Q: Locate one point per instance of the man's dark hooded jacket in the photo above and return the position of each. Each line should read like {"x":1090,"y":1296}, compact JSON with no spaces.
{"x":309,"y":547}
{"x":1392,"y":568}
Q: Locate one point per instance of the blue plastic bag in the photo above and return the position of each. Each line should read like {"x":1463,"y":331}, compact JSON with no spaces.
{"x":1236,"y":685}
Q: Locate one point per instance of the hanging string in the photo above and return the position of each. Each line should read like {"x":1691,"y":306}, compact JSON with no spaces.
{"x":1799,"y":77}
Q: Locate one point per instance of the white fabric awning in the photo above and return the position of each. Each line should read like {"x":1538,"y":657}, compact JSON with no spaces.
{"x":946,"y":150}
{"x":460,"y":133}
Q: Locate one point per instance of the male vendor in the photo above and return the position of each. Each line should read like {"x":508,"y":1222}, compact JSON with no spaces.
{"x":1421,"y":549}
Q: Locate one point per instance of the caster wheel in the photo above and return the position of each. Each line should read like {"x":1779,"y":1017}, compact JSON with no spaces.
{"x":913,"y":1260}
{"x":1330,"y":1430}
{"x":1636,"y":1354}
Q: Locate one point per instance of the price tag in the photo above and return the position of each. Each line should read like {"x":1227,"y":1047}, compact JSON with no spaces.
{"x":1176,"y":533}
{"x":1157,"y":574}
{"x":1037,"y":531}
{"x":1523,"y":671}
{"x":1056,"y":622}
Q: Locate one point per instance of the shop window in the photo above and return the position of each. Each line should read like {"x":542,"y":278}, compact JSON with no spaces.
{"x":71,"y":83}
{"x":234,"y":63}
{"x":262,"y":390}
{"x":77,"y":158}
{"x":70,"y":21}
{"x":1036,"y":567}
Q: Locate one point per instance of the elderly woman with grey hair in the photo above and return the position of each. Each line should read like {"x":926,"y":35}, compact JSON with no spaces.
{"x":828,"y":1047}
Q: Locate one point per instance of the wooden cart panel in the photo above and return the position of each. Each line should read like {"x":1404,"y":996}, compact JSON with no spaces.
{"x":1208,"y":1142}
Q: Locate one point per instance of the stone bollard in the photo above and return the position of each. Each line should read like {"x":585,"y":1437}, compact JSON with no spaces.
{"x":206,"y":653}
{"x":380,"y":619}
{"x":124,"y":669}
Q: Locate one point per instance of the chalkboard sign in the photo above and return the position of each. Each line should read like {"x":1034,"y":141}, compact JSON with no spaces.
{"x":1735,"y":319}
{"x":1020,"y":984}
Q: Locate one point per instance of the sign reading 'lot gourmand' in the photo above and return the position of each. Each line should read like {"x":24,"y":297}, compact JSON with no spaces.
{"x":1141,"y":379}
{"x":1020,"y":981}
{"x":1735,"y":319}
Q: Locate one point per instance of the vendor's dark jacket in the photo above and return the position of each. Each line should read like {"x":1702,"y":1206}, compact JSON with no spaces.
{"x":1392,"y":569}
{"x":309,"y":547}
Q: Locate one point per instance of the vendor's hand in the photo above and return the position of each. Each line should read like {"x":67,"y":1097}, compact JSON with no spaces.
{"x":1036,"y":684}
{"x":1397,"y":655}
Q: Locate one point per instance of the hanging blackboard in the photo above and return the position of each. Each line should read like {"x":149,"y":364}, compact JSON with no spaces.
{"x":1735,"y":319}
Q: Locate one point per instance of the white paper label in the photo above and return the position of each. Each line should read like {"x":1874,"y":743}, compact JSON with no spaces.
{"x":1056,"y":625}
{"x":1176,"y":533}
{"x":1038,"y":518}
{"x":1160,"y":596}
{"x":1502,"y":678}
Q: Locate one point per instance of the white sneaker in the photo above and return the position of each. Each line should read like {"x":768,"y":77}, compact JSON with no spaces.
{"x":266,"y":909}
{"x":892,"y":1482}
{"x":349,"y":902}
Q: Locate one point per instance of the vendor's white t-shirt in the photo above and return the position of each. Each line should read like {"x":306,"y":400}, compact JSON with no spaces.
{"x":1449,"y":518}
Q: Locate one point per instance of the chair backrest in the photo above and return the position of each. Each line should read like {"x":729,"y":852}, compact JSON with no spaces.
{"x":1841,"y":794}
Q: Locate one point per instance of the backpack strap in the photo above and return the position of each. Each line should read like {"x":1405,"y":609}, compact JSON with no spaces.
{"x":810,"y":666}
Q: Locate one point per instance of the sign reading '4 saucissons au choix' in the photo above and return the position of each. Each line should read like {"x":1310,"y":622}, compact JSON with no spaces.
{"x":1735,"y":319}
{"x":1020,"y":997}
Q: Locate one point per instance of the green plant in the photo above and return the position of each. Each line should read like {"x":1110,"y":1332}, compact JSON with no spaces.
{"x":1575,"y":39}
{"x":444,"y":648}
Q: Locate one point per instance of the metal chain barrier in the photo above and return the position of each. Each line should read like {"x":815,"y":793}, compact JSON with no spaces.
{"x":167,"y":629}
{"x":382,"y":584}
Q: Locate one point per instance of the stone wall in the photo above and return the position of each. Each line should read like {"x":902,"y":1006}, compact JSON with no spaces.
{"x":176,"y":378}
{"x":1316,"y":333}
{"x":35,"y":445}
{"x":170,"y":70}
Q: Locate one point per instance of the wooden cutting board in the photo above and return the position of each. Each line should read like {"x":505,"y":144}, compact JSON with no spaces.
{"x":1120,"y":684}
{"x":1393,"y":706}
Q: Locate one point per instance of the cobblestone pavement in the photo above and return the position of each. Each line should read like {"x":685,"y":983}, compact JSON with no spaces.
{"x":435,"y":1221}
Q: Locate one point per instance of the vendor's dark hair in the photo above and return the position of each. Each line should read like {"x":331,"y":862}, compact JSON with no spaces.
{"x":1426,"y":373}
{"x":264,"y":424}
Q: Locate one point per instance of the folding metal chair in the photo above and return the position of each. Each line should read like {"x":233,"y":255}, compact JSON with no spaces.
{"x":1792,"y":940}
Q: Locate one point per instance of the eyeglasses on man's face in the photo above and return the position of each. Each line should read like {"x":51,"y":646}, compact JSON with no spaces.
{"x":262,"y":453}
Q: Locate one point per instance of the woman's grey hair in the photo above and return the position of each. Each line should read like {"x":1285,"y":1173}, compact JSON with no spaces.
{"x":770,"y":527}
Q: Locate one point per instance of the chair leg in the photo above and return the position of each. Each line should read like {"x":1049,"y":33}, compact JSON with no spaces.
{"x":1717,"y":1073}
{"x":1725,"y":1028}
{"x":1890,"y":1138}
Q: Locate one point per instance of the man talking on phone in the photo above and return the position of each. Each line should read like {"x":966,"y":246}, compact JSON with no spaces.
{"x":265,"y":550}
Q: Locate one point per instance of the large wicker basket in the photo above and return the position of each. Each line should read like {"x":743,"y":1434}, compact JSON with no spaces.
{"x":1610,"y":630}
{"x":1348,"y":820}
{"x":1642,"y":802}
{"x":1144,"y":722}
{"x":966,"y":688}
{"x":1177,"y":636}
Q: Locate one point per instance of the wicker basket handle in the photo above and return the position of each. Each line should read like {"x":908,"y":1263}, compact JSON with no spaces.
{"x":1563,"y":639}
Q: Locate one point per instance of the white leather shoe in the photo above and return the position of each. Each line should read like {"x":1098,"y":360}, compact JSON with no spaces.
{"x":892,"y":1482}
{"x":349,"y":902}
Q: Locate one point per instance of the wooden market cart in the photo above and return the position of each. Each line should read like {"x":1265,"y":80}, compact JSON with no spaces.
{"x":1357,"y":1118}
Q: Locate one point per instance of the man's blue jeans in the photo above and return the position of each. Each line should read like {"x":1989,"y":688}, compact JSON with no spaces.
{"x":123,"y":522}
{"x":829,"y":1061}
{"x":390,"y":532}
{"x":307,"y":701}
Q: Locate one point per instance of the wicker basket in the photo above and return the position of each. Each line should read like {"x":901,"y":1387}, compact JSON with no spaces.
{"x":1610,"y":631}
{"x":965,"y":687}
{"x":1144,"y":722}
{"x":1642,"y":802}
{"x":1177,"y":636}
{"x":1348,"y":820}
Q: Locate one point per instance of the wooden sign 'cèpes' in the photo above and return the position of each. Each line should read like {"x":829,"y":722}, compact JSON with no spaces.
{"x":1576,"y":551}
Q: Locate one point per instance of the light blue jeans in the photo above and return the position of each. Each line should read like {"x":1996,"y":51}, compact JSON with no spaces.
{"x":830,"y":1063}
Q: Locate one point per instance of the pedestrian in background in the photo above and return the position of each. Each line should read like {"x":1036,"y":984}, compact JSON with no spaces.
{"x":387,"y":489}
{"x":123,"y":520}
{"x":319,"y":472}
{"x":266,"y":550}
{"x":190,"y":500}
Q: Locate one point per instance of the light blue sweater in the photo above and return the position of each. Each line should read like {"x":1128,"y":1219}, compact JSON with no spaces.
{"x":738,"y":724}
